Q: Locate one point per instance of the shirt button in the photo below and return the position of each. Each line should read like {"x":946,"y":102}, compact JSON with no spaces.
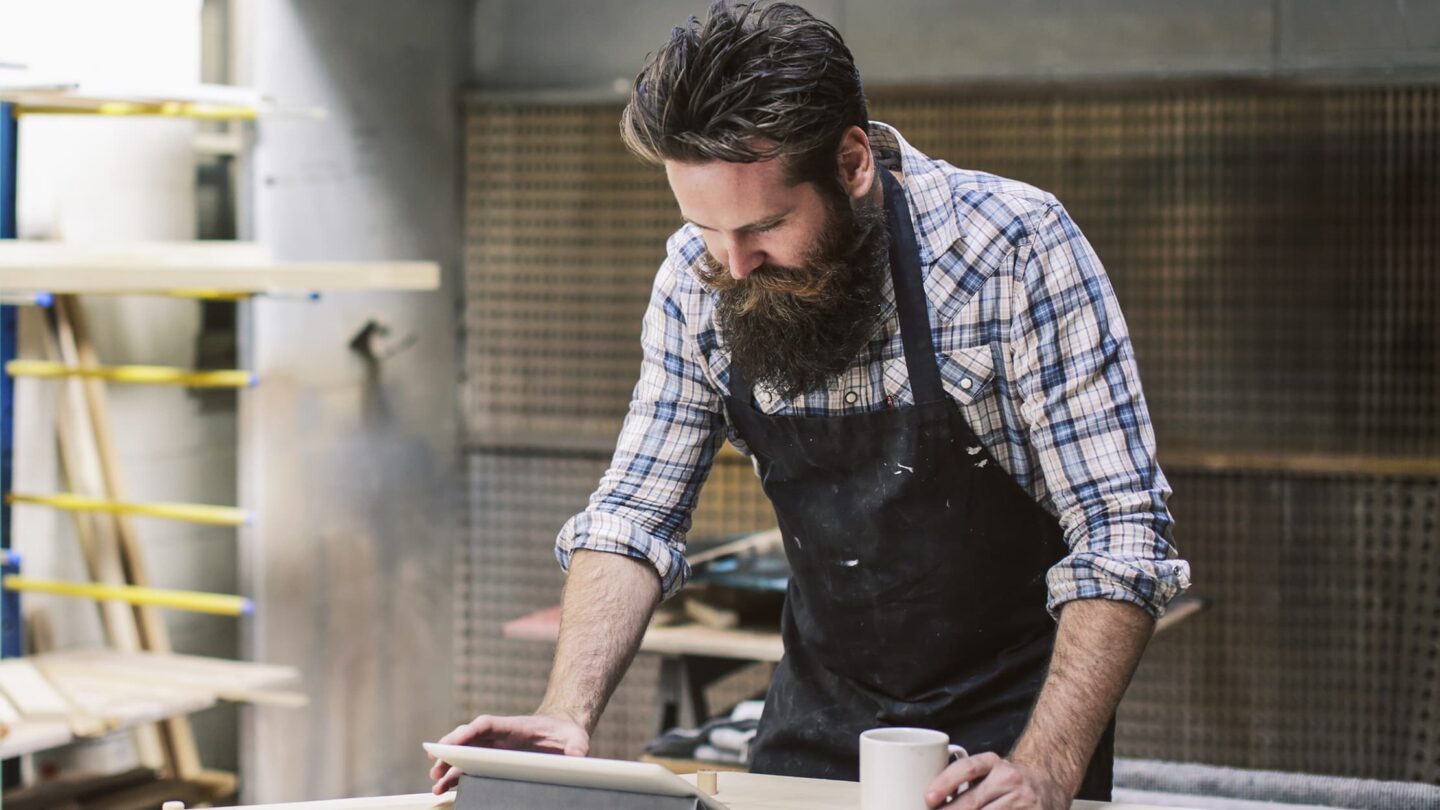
{"x":850,"y":397}
{"x":965,"y":383}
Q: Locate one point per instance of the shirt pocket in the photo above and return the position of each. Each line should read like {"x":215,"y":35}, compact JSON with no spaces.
{"x":970,"y":378}
{"x":968,"y":374}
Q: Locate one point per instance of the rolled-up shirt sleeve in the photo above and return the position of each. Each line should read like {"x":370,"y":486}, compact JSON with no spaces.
{"x":666,"y":447}
{"x":1088,"y":424}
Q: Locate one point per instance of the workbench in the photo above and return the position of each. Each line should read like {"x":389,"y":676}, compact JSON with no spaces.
{"x":738,"y":791}
{"x":693,"y":656}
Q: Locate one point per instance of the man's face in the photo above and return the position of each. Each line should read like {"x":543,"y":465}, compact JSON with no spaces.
{"x":747,"y":213}
{"x":798,"y":274}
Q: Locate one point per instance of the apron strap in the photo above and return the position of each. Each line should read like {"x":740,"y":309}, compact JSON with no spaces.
{"x":910,"y":301}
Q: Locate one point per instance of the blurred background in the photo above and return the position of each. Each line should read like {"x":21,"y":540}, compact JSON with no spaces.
{"x":1260,"y":177}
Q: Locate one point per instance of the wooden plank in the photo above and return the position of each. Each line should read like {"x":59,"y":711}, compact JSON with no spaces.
{"x":195,"y":601}
{"x":175,"y":735}
{"x":682,"y":639}
{"x":221,"y":266}
{"x":1180,"y":608}
{"x":136,"y":375}
{"x":236,"y":681}
{"x":28,"y":737}
{"x":84,"y":472}
{"x":38,"y":699}
{"x":105,"y":704}
{"x":749,"y":791}
{"x":135,"y":789}
{"x":186,"y":512}
{"x":200,"y":670}
{"x":684,"y":766}
{"x":9,"y":715}
{"x":74,"y":694}
{"x":737,"y":791}
{"x":35,"y":254}
{"x":693,"y":639}
{"x":80,"y":464}
{"x":98,"y":543}
{"x":32,"y":695}
{"x":413,"y":801}
{"x":23,"y":87}
{"x":1325,"y":464}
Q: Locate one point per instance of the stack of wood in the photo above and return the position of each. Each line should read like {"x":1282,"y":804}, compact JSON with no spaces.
{"x":51,"y":699}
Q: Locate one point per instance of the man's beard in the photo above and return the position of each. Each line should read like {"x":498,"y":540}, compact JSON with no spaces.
{"x":792,"y":329}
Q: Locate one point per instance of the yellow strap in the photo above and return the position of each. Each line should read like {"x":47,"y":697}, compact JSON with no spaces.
{"x":190,"y":513}
{"x":194,"y":601}
{"x":140,"y":375}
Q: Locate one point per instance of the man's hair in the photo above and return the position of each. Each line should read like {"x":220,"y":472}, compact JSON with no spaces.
{"x":754,"y":81}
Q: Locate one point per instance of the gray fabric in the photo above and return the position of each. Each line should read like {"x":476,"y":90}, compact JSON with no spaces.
{"x":1210,"y":786}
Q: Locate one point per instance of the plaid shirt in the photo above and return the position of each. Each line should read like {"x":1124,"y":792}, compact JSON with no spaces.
{"x":1032,"y":348}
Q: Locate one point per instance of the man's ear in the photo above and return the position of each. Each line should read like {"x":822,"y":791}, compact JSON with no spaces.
{"x":857,"y":165}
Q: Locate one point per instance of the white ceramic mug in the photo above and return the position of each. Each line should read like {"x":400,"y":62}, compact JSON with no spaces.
{"x":898,"y":764}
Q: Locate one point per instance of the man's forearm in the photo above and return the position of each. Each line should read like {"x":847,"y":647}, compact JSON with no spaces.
{"x":1097,"y":648}
{"x":608,"y":601}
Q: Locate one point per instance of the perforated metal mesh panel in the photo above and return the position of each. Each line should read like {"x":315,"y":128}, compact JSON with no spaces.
{"x":517,"y":503}
{"x":1275,"y":250}
{"x":564,"y":231}
{"x":1319,"y":654}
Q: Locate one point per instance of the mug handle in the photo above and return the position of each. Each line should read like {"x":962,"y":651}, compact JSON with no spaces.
{"x":957,"y":752}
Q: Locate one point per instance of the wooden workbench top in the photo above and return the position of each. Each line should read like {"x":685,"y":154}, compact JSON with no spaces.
{"x":738,"y":791}
{"x":748,"y":791}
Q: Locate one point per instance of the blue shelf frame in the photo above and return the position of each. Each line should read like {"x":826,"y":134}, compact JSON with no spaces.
{"x":10,"y":624}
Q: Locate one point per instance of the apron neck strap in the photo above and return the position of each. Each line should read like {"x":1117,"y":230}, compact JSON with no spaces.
{"x":910,"y":302}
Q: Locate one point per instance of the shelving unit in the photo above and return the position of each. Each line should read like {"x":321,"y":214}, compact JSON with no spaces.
{"x":97,"y":681}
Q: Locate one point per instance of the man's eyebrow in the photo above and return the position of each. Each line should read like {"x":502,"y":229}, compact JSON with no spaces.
{"x":756,"y":225}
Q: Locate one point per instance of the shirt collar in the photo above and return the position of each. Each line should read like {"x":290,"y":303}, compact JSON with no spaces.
{"x":927,"y":190}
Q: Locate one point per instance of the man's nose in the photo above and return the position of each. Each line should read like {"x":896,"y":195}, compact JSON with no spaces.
{"x":743,"y":261}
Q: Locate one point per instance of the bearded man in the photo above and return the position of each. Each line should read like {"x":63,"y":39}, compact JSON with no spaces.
{"x":932,"y":375}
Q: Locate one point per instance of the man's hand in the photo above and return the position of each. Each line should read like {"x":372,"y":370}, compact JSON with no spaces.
{"x":607,"y":604}
{"x":543,"y":733}
{"x":1097,"y":647}
{"x":995,"y":783}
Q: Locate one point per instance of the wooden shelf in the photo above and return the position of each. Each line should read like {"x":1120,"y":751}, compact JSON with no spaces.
{"x":1308,"y":463}
{"x":38,"y":266}
{"x":45,"y":94}
{"x":681,"y":639}
{"x":107,"y":690}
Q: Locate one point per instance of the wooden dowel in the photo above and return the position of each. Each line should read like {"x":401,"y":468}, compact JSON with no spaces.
{"x":97,"y":533}
{"x":186,"y":512}
{"x":192,"y":601}
{"x":169,"y":109}
{"x":135,"y":375}
{"x":174,"y":735}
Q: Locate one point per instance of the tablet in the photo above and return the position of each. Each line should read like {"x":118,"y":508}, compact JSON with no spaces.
{"x":585,"y":772}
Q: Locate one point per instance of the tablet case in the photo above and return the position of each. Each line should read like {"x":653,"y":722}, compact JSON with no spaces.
{"x":486,"y":793}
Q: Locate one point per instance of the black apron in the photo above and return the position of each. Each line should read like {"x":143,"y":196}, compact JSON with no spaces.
{"x":918,"y":591}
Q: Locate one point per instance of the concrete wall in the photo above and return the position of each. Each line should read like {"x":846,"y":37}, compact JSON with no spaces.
{"x":350,"y":466}
{"x":520,"y":44}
